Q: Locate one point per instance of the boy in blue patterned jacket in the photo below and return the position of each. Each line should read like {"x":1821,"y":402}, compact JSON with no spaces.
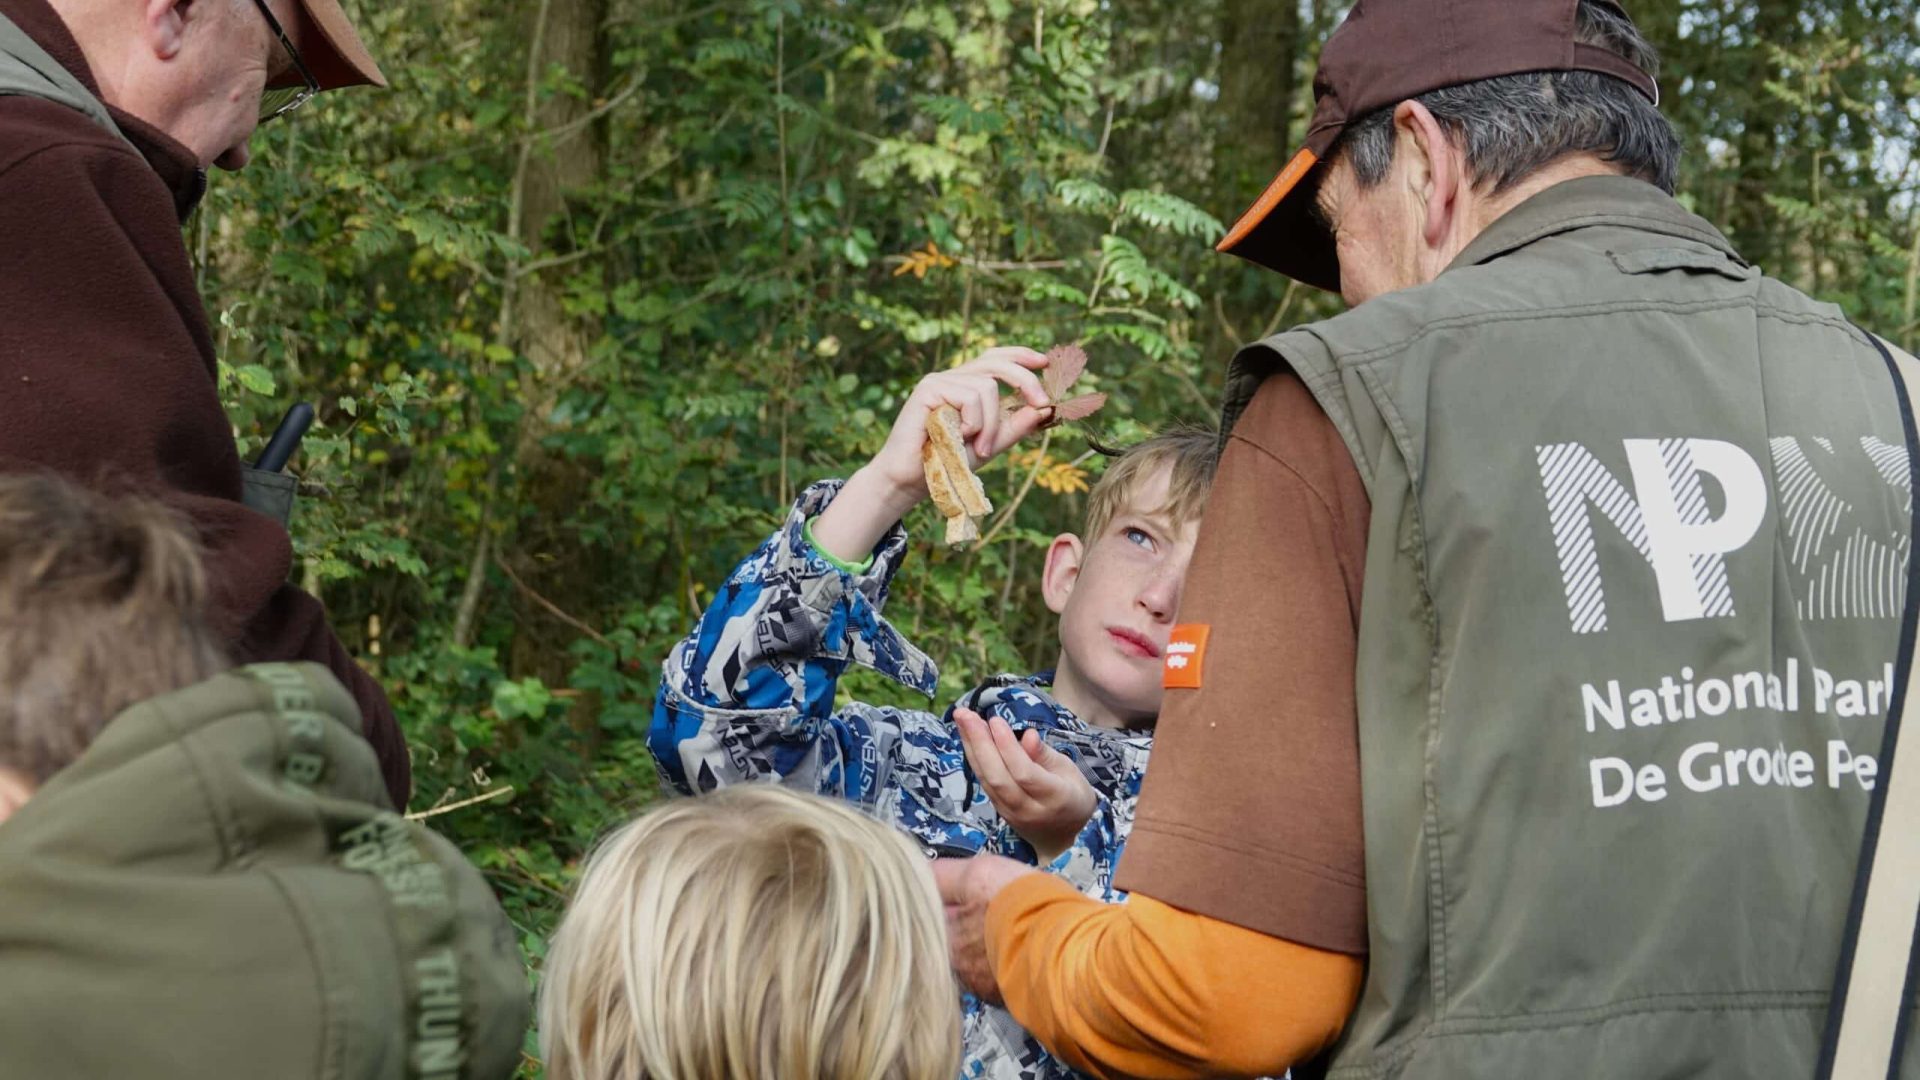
{"x":1045,"y":768}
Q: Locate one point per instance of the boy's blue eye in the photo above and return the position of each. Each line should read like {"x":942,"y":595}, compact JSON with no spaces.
{"x":1140,"y":537}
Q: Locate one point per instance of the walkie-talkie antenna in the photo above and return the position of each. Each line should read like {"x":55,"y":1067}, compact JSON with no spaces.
{"x":286,"y":438}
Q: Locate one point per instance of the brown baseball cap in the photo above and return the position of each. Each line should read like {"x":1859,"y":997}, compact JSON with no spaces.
{"x":1384,"y":53}
{"x":331,"y":49}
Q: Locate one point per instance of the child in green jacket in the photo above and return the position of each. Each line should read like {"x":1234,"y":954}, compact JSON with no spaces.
{"x":200,"y":874}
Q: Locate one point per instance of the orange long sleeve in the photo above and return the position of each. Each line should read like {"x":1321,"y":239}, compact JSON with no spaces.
{"x":1143,"y":989}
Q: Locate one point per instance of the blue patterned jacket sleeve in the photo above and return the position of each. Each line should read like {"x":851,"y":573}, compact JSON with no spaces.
{"x":1088,"y":865}
{"x":749,"y":695}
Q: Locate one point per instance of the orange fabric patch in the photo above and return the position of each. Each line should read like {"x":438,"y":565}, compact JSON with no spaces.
{"x":1186,"y":655}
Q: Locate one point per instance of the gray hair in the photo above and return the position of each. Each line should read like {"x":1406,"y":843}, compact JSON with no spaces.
{"x":1513,"y":125}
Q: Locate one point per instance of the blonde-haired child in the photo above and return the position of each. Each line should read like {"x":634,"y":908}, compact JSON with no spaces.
{"x":755,"y":932}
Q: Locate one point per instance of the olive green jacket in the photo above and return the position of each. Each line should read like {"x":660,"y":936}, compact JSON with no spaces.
{"x":218,"y":889}
{"x":1633,"y":585}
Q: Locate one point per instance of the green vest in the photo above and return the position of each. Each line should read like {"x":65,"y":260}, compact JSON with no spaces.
{"x":1633,"y":585}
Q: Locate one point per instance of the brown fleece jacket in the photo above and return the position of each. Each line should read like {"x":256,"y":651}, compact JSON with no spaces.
{"x":107,"y":371}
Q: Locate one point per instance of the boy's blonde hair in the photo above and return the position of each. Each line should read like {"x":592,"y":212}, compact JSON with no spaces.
{"x":1191,"y":453}
{"x":749,"y":934}
{"x":103,"y":604}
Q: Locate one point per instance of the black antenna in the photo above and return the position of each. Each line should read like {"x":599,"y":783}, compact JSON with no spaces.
{"x":286,"y":438}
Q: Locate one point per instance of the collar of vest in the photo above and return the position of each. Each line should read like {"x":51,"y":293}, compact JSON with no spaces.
{"x":1585,"y":202}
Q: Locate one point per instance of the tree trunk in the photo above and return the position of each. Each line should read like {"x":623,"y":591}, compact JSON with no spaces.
{"x":568,"y":155}
{"x":1261,"y":46}
{"x":1750,"y":219}
{"x":1259,"y":42}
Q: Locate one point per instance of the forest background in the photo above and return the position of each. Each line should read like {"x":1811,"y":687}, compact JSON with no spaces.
{"x":599,"y":285}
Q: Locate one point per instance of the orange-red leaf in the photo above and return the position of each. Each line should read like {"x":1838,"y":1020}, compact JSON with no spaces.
{"x":1064,"y":365}
{"x":1078,"y":408}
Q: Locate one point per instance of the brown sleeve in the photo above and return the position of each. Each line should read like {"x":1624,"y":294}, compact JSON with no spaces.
{"x":1250,"y":812}
{"x":109,"y":380}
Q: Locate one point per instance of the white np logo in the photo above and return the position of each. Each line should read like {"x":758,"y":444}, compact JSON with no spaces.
{"x":1844,"y":569}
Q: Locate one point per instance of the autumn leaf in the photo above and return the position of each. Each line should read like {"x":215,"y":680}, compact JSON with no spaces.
{"x":1076,"y":408}
{"x":1064,"y":365}
{"x":918,"y":263}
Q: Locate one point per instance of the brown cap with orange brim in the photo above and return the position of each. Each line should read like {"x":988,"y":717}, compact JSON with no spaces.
{"x":1384,"y":53}
{"x":331,"y":49}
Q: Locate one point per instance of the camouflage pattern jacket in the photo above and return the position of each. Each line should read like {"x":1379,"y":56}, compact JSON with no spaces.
{"x":750,"y":696}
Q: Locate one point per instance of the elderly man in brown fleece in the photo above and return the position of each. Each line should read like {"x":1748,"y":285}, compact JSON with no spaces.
{"x":111,"y":111}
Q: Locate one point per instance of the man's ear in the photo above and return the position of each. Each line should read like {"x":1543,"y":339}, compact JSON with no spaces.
{"x":15,"y":790}
{"x":1437,"y":167}
{"x":1064,"y":557}
{"x":163,"y":25}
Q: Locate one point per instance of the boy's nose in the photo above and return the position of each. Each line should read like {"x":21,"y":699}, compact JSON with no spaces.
{"x":1161,"y":596}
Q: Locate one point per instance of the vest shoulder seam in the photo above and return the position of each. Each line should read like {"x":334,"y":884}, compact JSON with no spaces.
{"x":1516,"y":315}
{"x":1323,"y":382}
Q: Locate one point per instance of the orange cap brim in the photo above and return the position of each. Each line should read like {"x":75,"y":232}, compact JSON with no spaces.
{"x":1281,"y":232}
{"x":1289,"y":178}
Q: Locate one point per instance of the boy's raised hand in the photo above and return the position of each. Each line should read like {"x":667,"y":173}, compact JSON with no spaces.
{"x":1035,"y":787}
{"x":895,"y":481}
{"x":974,"y":389}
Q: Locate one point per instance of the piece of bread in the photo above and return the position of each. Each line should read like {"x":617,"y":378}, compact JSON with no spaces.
{"x":949,"y":445}
{"x":945,"y":499}
{"x":956,"y":492}
{"x":962,"y":530}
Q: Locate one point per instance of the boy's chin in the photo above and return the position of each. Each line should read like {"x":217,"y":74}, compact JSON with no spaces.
{"x":1125,"y":688}
{"x":1135,"y":705}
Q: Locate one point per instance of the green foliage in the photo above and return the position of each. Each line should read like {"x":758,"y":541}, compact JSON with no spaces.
{"x":578,"y":324}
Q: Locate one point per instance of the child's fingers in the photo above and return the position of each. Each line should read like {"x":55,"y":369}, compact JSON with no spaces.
{"x":1020,"y":768}
{"x":1015,"y":374}
{"x":1046,"y":757}
{"x":974,"y":741}
{"x":1035,"y":746}
{"x":1057,"y":764}
{"x":976,"y":396}
{"x":977,"y":741}
{"x":1017,"y":426}
{"x":1019,"y":354}
{"x":963,"y":397}
{"x":988,"y":394}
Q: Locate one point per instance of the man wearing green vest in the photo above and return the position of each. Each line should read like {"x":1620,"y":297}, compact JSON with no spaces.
{"x":1580,"y":548}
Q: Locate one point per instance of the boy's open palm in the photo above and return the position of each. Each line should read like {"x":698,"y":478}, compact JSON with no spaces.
{"x":1037,"y":789}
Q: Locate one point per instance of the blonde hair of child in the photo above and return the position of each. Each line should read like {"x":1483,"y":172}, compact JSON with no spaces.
{"x":1190,"y":452}
{"x":750,"y":933}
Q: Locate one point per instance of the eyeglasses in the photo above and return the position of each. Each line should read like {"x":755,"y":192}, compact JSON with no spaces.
{"x":281,"y":100}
